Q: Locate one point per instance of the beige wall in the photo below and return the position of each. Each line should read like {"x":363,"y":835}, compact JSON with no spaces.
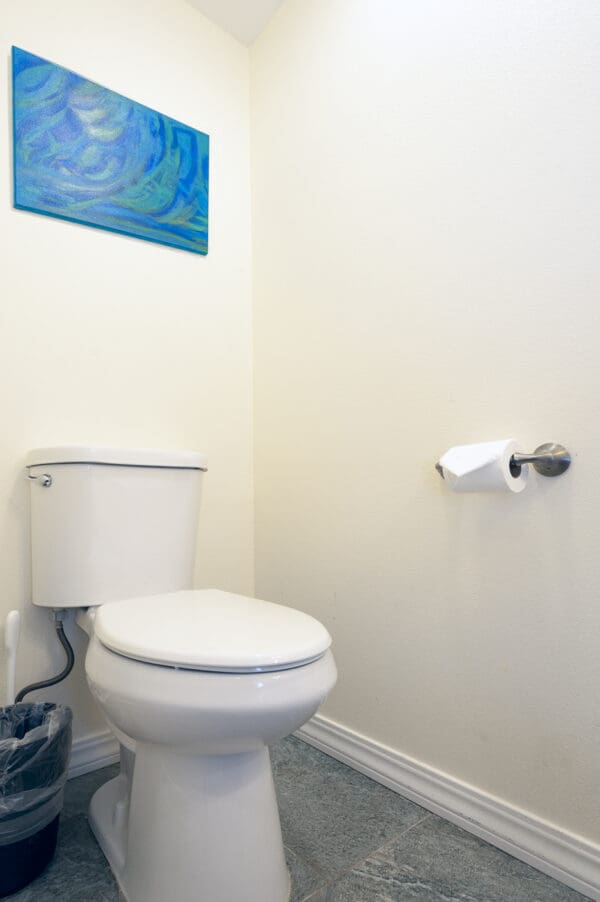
{"x":426,"y":213}
{"x":107,"y":339}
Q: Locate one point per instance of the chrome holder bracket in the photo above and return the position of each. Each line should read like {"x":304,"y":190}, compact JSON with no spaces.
{"x":549,"y":459}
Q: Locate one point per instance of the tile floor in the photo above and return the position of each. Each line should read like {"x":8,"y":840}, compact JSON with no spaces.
{"x":347,"y":839}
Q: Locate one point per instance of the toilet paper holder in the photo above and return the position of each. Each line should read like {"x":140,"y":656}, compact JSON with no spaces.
{"x":549,"y":459}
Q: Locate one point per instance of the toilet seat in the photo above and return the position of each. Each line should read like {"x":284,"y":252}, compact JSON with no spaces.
{"x":211,"y":630}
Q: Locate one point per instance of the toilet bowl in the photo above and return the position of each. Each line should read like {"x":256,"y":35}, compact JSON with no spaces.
{"x":196,"y":684}
{"x":223,"y":676}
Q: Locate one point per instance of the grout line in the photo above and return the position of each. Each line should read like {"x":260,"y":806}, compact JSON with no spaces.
{"x":354,"y":864}
{"x":399,"y":835}
{"x":319,"y":889}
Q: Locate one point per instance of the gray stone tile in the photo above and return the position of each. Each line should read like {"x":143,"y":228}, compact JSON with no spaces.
{"x":372,"y":885}
{"x":332,"y":816}
{"x":79,"y":791}
{"x":78,"y":873}
{"x":438,"y":862}
{"x":306,"y":878}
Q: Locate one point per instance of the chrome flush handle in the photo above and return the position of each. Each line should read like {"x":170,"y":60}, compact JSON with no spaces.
{"x":44,"y":479}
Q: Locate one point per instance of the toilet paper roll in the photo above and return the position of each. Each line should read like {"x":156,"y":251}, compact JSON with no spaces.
{"x":483,"y":467}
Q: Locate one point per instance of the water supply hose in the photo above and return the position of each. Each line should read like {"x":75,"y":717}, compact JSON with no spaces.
{"x":59,"y":616}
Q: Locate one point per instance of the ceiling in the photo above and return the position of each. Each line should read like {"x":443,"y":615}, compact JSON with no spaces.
{"x":244,"y":19}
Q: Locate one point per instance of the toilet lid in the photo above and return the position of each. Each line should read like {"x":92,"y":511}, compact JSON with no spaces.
{"x":211,"y":630}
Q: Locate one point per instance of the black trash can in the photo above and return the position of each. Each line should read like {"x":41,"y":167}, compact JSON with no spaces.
{"x":35,"y":744}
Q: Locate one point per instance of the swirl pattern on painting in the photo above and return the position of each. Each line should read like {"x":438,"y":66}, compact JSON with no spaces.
{"x":85,"y":153}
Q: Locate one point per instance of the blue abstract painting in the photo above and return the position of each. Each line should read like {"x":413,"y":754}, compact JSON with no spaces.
{"x":87,"y":154}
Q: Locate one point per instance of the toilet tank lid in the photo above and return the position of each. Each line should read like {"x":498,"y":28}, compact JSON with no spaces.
{"x":125,"y":457}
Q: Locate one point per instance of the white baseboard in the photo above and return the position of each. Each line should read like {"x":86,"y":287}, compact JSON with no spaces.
{"x":93,"y":752}
{"x":560,"y":854}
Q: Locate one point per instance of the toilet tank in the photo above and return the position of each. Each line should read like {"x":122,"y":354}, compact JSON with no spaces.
{"x":111,"y":523}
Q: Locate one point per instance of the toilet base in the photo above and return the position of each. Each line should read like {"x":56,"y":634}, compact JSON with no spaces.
{"x":104,"y":822}
{"x":195,"y":827}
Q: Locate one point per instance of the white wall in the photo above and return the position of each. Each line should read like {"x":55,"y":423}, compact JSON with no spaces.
{"x":107,"y":339}
{"x":426,"y":213}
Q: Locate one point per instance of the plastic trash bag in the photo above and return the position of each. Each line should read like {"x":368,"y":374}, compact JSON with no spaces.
{"x":35,"y":745}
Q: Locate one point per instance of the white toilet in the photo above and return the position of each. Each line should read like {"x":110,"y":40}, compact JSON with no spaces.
{"x":195,"y":683}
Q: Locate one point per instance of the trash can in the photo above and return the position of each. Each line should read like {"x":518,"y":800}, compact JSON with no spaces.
{"x":35,"y":744}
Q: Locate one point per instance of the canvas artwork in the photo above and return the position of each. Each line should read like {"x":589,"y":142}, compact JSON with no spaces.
{"x":90,"y":155}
